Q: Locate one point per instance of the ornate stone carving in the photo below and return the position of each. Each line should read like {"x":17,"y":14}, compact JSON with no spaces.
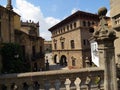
{"x":103,"y":32}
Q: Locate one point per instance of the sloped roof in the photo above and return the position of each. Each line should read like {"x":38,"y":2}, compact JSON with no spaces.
{"x":78,"y":14}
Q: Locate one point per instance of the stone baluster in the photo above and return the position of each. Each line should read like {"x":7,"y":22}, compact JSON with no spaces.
{"x":47,"y":85}
{"x":57,"y":85}
{"x":67,"y":84}
{"x":87,"y":82}
{"x":77,"y":83}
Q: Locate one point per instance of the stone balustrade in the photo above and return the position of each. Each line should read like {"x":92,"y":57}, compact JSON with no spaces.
{"x":78,"y":79}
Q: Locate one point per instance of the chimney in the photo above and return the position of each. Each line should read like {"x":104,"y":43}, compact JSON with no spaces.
{"x":9,"y":6}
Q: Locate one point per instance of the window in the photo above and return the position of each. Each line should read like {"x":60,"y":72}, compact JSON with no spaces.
{"x":84,"y":23}
{"x":73,"y":62}
{"x":84,"y":42}
{"x":67,"y":27}
{"x":64,"y":29}
{"x":70,"y":26}
{"x":55,"y":46}
{"x":88,"y":24}
{"x":62,"y":45}
{"x":74,"y":24}
{"x":72,"y":44}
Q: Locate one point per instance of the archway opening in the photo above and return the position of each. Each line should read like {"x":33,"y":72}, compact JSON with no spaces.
{"x":63,"y":60}
{"x":55,"y":59}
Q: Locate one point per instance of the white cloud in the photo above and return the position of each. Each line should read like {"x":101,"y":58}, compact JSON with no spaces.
{"x":108,"y":13}
{"x":51,"y":20}
{"x":74,"y":10}
{"x":29,"y":11}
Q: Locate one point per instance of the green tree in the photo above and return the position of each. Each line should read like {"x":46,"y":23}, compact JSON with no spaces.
{"x":12,"y":59}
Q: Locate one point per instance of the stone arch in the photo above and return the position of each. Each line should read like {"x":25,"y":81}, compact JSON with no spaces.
{"x":56,"y":58}
{"x":63,"y":60}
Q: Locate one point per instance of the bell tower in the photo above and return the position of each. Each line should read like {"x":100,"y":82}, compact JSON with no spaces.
{"x":9,"y":6}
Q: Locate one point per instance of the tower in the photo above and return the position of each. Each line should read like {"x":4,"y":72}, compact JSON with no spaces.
{"x":9,"y":6}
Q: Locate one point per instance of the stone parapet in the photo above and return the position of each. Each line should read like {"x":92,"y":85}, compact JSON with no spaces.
{"x":62,"y":79}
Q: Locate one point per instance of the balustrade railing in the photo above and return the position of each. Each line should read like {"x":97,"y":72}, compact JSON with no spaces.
{"x":81,"y":79}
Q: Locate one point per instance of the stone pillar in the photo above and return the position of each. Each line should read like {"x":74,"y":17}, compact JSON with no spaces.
{"x":105,"y":38}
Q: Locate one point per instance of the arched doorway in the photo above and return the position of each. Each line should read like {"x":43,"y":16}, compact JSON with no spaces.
{"x":55,"y":59}
{"x":63,"y":60}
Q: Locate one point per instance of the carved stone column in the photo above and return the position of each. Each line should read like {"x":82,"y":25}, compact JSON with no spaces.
{"x":105,"y":37}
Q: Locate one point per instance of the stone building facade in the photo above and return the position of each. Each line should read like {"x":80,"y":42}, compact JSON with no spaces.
{"x":32,"y":44}
{"x":48,"y":46}
{"x":8,"y":23}
{"x":12,"y":30}
{"x":70,"y":39}
{"x":115,"y":15}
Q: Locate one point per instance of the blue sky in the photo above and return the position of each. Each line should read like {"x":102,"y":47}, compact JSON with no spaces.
{"x":50,"y":12}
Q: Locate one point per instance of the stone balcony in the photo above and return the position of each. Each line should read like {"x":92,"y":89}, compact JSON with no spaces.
{"x":79,"y":79}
